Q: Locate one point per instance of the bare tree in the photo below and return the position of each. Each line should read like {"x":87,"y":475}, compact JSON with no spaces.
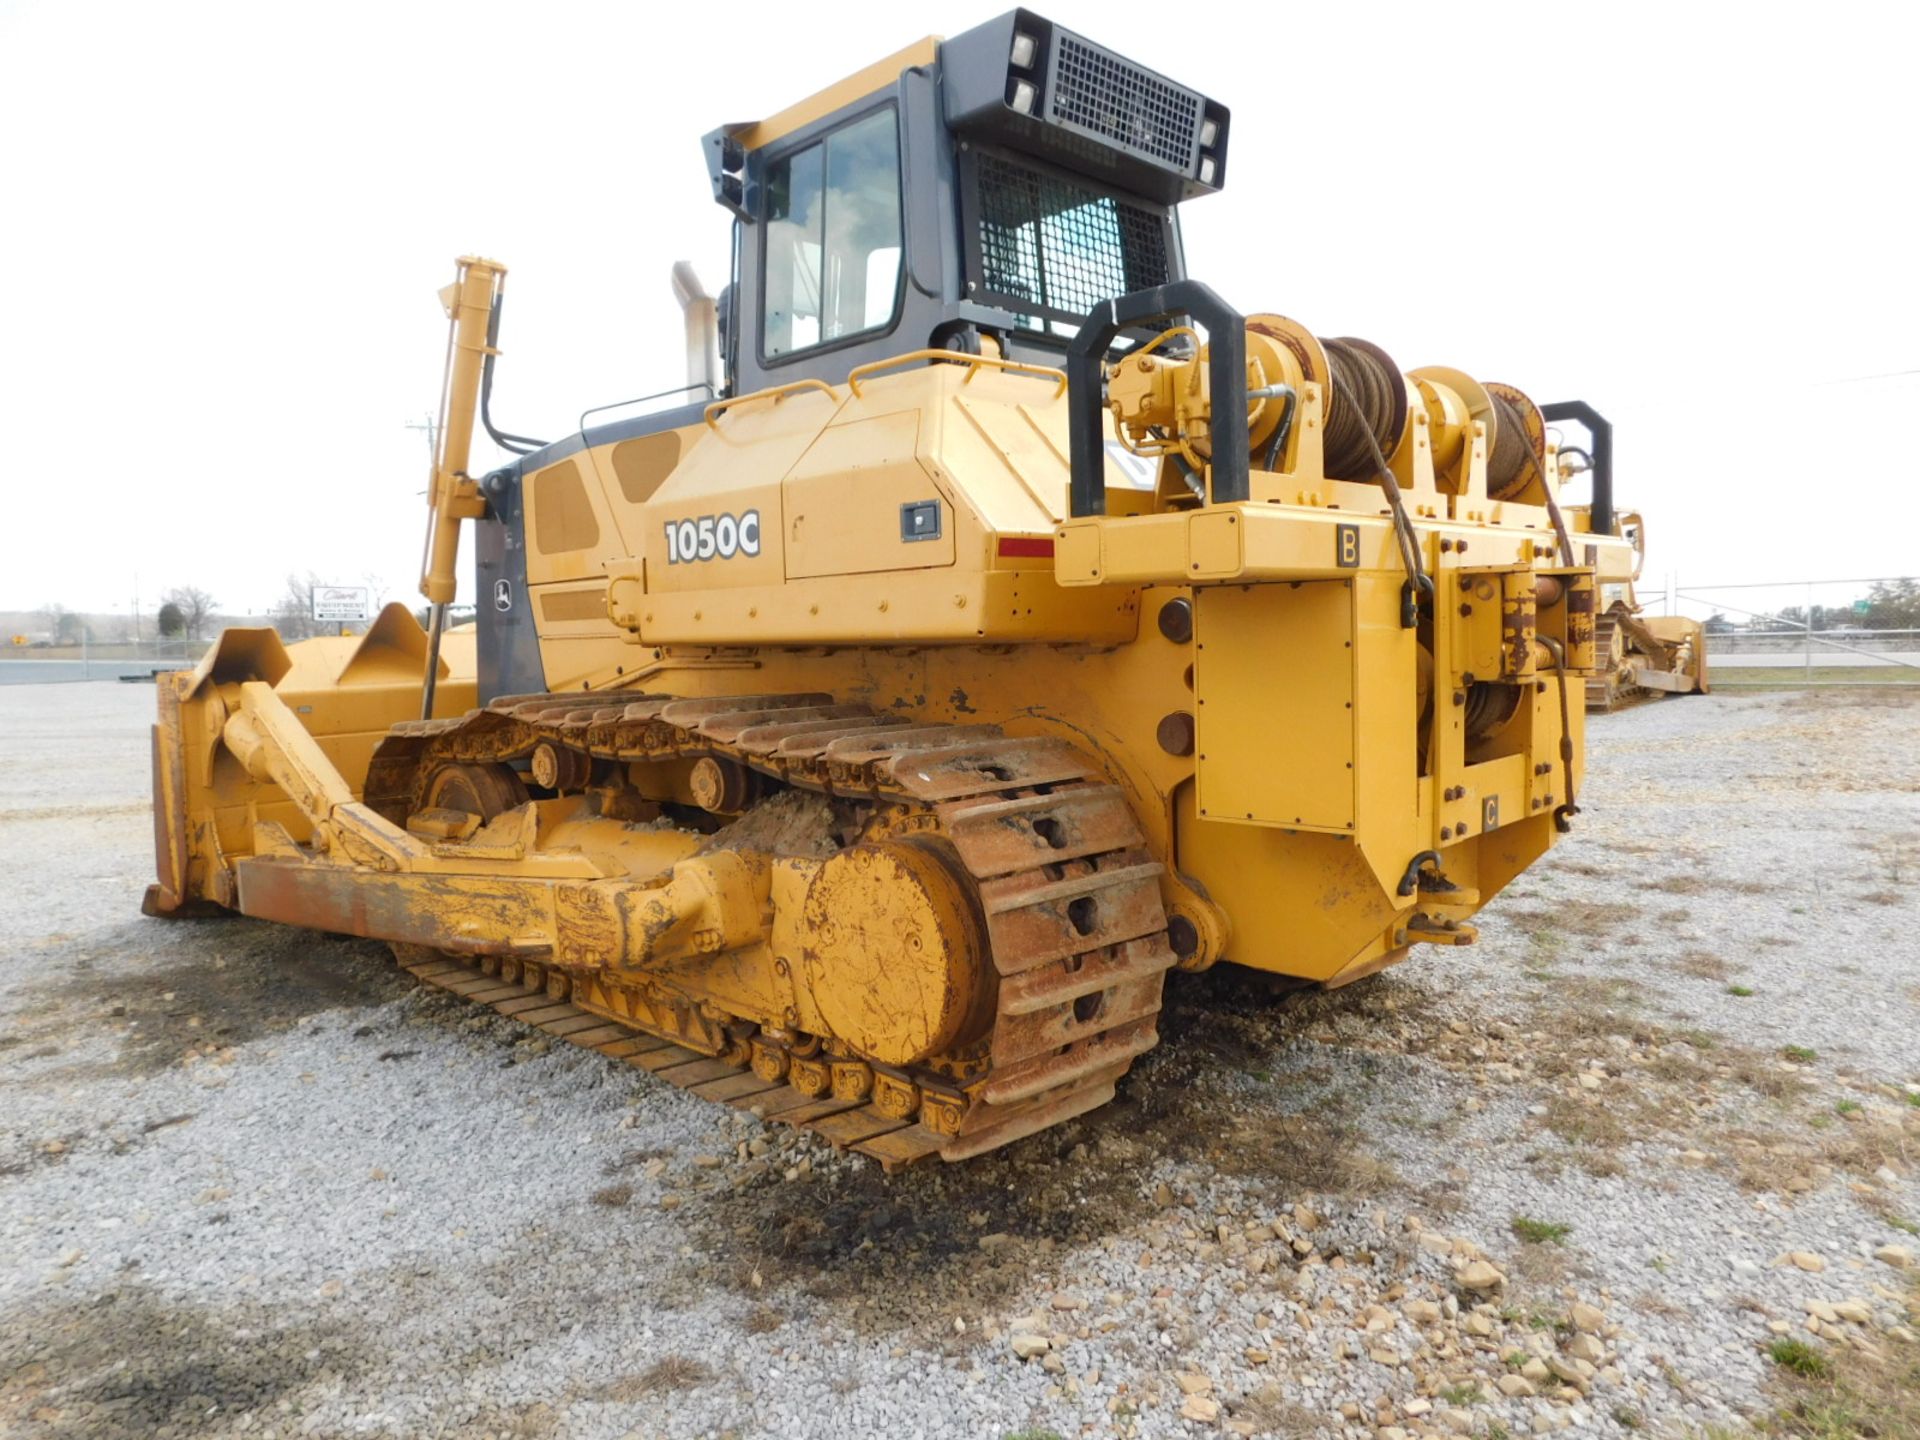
{"x":64,"y":626}
{"x":194,"y":606}
{"x":293,"y":612}
{"x":55,"y":617}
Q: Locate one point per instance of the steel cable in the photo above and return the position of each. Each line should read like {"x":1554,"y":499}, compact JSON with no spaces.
{"x":1360,"y":410}
{"x":1512,"y":454}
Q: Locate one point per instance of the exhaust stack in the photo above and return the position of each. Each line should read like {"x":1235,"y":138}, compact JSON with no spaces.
{"x":703,"y":329}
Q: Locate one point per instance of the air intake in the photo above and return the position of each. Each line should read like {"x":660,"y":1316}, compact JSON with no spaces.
{"x":1098,"y":93}
{"x":1036,"y":89}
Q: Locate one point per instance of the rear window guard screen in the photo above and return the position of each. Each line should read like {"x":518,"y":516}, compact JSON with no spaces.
{"x":1050,"y":246}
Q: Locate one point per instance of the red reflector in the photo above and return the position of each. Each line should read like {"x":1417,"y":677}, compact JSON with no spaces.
{"x":1026,"y":547}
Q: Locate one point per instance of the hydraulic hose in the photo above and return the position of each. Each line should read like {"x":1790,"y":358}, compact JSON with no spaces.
{"x":513,"y":444}
{"x":1563,"y":814}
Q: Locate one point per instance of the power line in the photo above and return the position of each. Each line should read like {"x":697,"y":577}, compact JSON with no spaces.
{"x":1864,"y":379}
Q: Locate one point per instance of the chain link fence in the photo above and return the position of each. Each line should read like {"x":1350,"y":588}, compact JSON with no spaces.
{"x":40,"y":664}
{"x":1798,"y":632}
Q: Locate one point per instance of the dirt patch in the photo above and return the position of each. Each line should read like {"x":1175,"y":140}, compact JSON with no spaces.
{"x":240,"y":979}
{"x":666,"y":1375}
{"x":794,"y":822}
{"x":973,"y":1234}
{"x":884,"y":1245}
{"x":1896,"y":696}
{"x":1702,"y":965}
{"x":76,"y":812}
{"x":1272,"y":1414}
{"x":128,"y":1363}
{"x":1681,"y":884}
{"x":1577,"y":917}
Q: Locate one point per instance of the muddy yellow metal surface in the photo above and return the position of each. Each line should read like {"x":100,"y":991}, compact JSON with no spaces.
{"x":893,"y":953}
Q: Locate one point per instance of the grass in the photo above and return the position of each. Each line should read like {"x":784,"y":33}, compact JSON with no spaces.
{"x":762,"y":1320}
{"x":1782,"y":677}
{"x":669,"y":1373}
{"x":1743,"y":991}
{"x":1681,"y":883}
{"x":1902,"y":1224}
{"x":1540,"y":1232}
{"x":1913,"y":1097}
{"x":1276,"y":1416}
{"x":1848,"y":1397}
{"x":1461,"y":1395}
{"x":673,"y":1372}
{"x":1595,"y":1133}
{"x":1799,"y":1358}
{"x":1801,"y":1054}
{"x":1762,"y":1076}
{"x":1846,"y":1107}
{"x":1702,"y":965}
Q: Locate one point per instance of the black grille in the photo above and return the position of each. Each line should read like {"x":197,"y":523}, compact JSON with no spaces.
{"x":1058,"y":248}
{"x":1105,"y":96}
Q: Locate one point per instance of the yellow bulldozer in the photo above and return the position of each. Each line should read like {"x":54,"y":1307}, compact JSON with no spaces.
{"x":1636,"y":656}
{"x":1004,"y":622}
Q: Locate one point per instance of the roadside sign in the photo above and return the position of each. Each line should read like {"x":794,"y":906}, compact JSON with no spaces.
{"x":333,"y":604}
{"x":1863,"y":607}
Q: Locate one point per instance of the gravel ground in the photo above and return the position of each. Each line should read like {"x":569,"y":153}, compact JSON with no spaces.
{"x":254,"y":1182}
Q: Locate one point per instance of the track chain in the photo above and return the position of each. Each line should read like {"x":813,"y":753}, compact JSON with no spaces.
{"x":1606,"y":686}
{"x":1070,"y":896}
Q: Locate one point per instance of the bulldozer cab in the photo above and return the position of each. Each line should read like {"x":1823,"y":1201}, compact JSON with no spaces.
{"x":981,"y":194}
{"x":986,"y":191}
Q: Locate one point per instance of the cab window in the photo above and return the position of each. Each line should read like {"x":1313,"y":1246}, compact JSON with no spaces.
{"x":833,"y":238}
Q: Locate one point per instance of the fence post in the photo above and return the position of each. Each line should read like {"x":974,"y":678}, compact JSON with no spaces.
{"x":1809,"y":632}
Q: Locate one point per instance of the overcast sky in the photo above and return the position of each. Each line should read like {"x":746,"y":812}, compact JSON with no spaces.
{"x":224,"y":227}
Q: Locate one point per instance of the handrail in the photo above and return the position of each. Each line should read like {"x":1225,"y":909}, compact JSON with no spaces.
{"x":776,"y":394}
{"x":956,"y":357}
{"x":639,"y":400}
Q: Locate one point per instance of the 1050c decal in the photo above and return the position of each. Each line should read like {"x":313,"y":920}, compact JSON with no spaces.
{"x":713,"y":537}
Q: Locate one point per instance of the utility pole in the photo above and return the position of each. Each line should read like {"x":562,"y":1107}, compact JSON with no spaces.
{"x":432,"y":436}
